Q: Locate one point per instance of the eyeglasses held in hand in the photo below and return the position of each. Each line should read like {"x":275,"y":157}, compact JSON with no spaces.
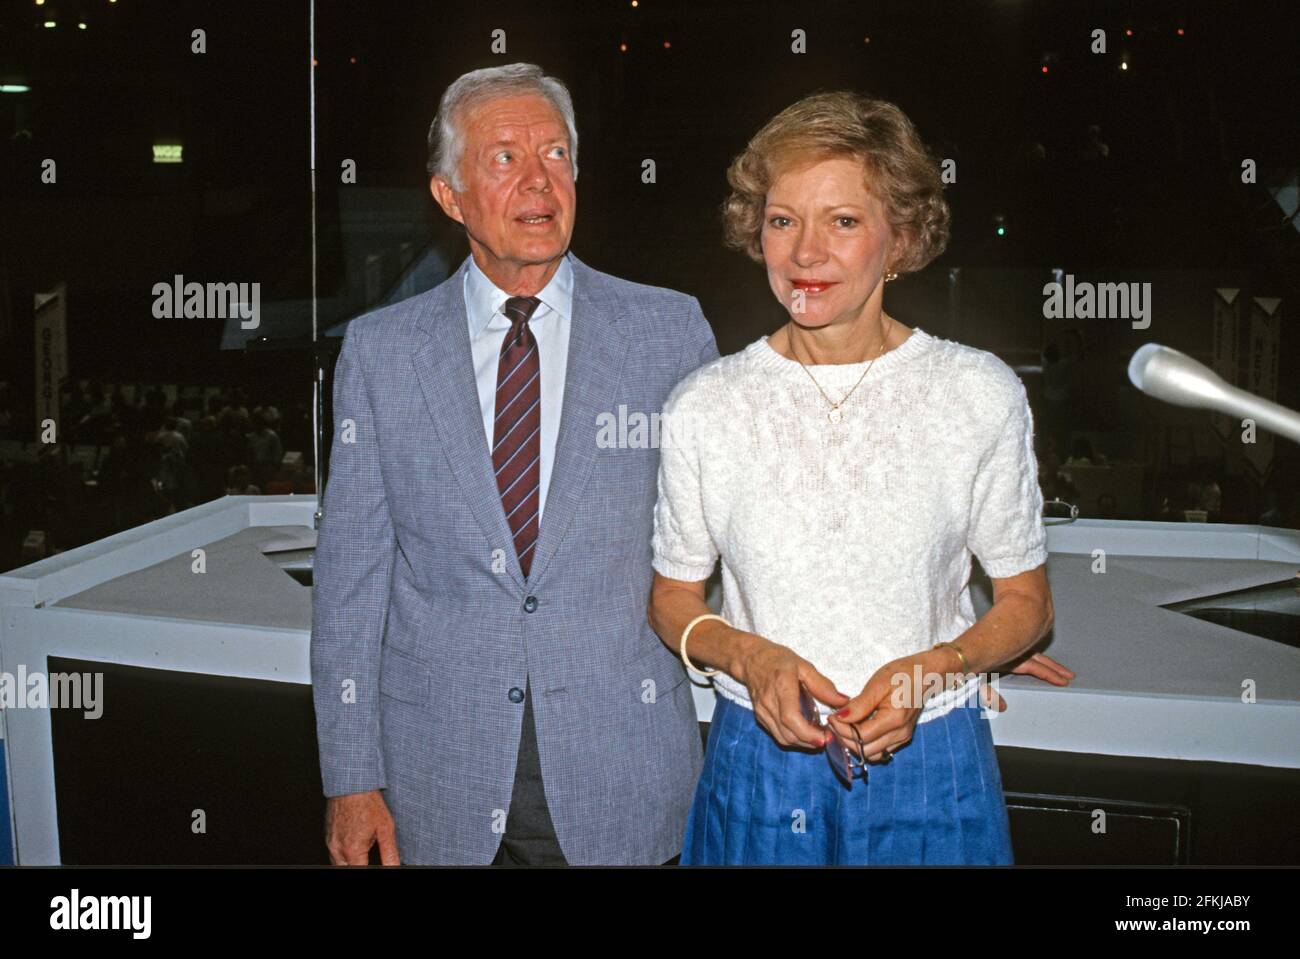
{"x":843,"y":761}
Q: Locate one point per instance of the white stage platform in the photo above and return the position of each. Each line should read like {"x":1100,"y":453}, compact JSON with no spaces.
{"x":1151,"y":682}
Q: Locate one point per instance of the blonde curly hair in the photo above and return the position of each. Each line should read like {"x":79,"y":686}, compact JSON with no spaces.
{"x":898,"y":168}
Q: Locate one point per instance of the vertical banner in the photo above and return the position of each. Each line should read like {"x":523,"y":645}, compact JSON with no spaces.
{"x":51,"y":356}
{"x":1224,"y":359}
{"x":1265,"y":328}
{"x":6,"y":311}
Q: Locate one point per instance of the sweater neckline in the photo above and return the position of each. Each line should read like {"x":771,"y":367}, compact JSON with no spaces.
{"x":916,"y":343}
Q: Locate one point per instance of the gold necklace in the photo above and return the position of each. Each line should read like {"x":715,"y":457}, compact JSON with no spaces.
{"x":834,"y":414}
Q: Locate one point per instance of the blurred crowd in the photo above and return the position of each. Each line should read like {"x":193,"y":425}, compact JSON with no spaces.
{"x":1177,"y":489}
{"x":1199,"y":491}
{"x":151,"y":458}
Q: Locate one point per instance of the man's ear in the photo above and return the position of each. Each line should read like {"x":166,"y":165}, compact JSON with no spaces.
{"x":446,"y":198}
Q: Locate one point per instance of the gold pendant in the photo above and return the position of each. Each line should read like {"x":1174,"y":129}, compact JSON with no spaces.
{"x":834,"y":415}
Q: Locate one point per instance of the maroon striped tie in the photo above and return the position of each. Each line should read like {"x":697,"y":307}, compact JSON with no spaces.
{"x":517,"y":442}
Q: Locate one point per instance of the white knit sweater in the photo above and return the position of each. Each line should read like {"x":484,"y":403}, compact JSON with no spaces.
{"x":850,"y":542}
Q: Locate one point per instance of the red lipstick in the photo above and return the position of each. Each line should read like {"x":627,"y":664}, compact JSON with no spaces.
{"x":813,"y":285}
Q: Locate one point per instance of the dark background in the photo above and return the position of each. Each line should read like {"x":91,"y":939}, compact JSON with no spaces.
{"x":1110,"y":174}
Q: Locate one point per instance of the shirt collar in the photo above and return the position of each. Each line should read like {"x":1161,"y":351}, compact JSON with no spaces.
{"x":484,"y":299}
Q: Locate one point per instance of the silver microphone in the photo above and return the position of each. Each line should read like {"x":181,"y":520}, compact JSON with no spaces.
{"x":1175,"y":377}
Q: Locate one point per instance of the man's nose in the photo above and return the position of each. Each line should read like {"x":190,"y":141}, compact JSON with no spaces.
{"x":535,"y":175}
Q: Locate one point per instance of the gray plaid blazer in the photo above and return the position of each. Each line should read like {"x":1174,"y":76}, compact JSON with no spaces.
{"x":423,"y":624}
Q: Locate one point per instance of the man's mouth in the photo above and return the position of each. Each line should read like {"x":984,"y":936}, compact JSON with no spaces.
{"x":535,"y":218}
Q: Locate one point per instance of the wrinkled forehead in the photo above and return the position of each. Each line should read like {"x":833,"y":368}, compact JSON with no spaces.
{"x":518,"y":118}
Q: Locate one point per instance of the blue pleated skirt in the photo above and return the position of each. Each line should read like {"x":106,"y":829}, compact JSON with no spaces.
{"x":938,"y":803}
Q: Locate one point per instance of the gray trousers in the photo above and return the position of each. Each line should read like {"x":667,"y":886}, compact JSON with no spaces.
{"x":529,"y":839}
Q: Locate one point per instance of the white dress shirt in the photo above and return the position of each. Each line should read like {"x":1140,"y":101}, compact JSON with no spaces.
{"x":549,"y":325}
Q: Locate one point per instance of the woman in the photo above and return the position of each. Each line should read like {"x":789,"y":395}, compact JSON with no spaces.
{"x":845,"y":469}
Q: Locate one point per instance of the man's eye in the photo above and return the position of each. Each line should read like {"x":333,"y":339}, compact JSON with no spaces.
{"x":502,"y":156}
{"x":561,"y":151}
{"x":847,"y":221}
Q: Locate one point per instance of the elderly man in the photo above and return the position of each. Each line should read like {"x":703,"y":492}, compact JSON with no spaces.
{"x":487,"y":686}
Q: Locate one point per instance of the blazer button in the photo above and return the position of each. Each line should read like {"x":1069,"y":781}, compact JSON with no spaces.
{"x":530,"y":604}
{"x":516,"y":694}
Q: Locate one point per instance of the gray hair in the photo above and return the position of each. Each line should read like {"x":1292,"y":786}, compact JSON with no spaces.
{"x":447,"y":142}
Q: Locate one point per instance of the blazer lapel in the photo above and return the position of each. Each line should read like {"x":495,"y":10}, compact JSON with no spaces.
{"x":444,"y":367}
{"x":597,"y":352}
{"x":445,"y":370}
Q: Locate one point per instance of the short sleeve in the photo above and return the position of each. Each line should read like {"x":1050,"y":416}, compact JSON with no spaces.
{"x":682,"y":546}
{"x":1006,"y":530}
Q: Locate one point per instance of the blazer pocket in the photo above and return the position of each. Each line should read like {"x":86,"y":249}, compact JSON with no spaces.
{"x":660,"y":666}
{"x":403,"y":677}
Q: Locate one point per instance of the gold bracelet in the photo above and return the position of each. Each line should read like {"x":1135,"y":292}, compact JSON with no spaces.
{"x":687,"y":632}
{"x":960,"y":655}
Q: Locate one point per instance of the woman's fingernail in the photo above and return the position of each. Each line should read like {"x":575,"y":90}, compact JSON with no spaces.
{"x":843,"y":714}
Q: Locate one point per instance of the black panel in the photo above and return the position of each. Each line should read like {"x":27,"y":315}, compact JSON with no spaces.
{"x":1051,"y":830}
{"x":1234,"y":814}
{"x":242,"y":750}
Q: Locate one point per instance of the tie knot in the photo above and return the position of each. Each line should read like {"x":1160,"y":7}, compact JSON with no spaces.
{"x":520,"y":308}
